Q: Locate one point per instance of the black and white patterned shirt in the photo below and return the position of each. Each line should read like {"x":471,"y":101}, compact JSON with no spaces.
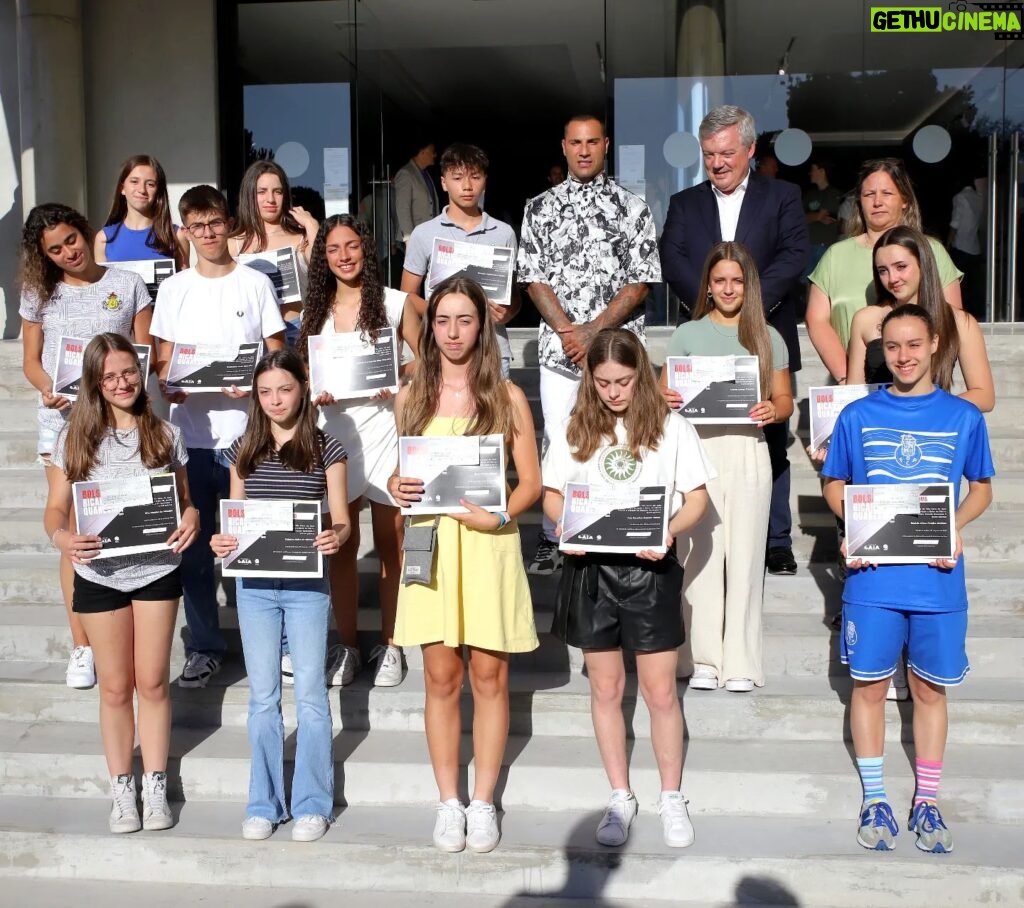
{"x":587,"y":241}
{"x":272,"y":479}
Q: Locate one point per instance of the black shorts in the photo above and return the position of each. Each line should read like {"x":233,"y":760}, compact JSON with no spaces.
{"x":92,"y":597}
{"x":619,"y":601}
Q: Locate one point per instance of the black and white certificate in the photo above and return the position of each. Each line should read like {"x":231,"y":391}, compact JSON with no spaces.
{"x":132,"y":515}
{"x":490,"y":266}
{"x":900,"y":523}
{"x":716,"y":390}
{"x":454,"y":467}
{"x":67,"y":377}
{"x":209,"y":368}
{"x":153,"y":271}
{"x":275,"y":538}
{"x":282,"y":267}
{"x":350,"y":365}
{"x":827,"y":403}
{"x":599,"y":517}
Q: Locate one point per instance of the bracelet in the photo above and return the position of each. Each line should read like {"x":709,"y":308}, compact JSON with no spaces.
{"x":53,"y":538}
{"x":503,"y":518}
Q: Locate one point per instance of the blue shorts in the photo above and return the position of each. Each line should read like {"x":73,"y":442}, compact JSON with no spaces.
{"x":873,"y":639}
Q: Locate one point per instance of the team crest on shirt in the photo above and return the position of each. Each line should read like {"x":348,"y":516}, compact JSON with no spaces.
{"x":851,"y":634}
{"x":908,"y":453}
{"x":617,"y":464}
{"x":112,"y":303}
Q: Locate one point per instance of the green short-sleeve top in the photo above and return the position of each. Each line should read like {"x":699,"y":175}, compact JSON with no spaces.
{"x":707,"y":338}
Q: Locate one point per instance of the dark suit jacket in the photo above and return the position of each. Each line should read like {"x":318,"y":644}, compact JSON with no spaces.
{"x":771,"y":226}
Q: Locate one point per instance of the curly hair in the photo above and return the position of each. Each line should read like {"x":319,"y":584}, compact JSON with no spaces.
{"x":323,"y":285}
{"x":162,"y":233}
{"x":37,"y":273}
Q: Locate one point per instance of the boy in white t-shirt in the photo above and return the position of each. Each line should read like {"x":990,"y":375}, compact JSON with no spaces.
{"x":216,"y":302}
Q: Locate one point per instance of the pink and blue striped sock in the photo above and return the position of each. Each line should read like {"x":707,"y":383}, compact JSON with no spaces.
{"x":870,"y":769}
{"x":929,"y":774}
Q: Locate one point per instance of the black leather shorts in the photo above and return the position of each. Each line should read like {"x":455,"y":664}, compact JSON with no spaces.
{"x":619,"y":601}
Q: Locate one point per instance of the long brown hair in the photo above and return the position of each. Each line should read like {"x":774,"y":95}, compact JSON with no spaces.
{"x":303,"y":451}
{"x":162,"y":236}
{"x":250,"y":225}
{"x":897,"y":172}
{"x":752,"y":331}
{"x":929,"y":297}
{"x":592,"y":423}
{"x":91,"y":418}
{"x":323,"y":285}
{"x":37,"y":273}
{"x":493,"y":412}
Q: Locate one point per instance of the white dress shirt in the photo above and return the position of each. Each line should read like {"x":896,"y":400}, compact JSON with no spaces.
{"x":729,"y":208}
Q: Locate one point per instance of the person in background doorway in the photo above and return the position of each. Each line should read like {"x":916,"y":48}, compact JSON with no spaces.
{"x":556,"y":175}
{"x":821,"y":211}
{"x":415,"y":194}
{"x":965,"y":244}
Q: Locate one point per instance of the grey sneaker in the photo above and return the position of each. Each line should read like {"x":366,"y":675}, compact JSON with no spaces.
{"x":124,"y":812}
{"x":675,"y":819}
{"x":156,"y":814}
{"x":389,"y":667}
{"x":878,"y":828}
{"x":613,"y":830}
{"x":932,"y":834}
{"x":482,"y":833}
{"x":199,"y":669}
{"x":547,"y":558}
{"x":342,"y":664}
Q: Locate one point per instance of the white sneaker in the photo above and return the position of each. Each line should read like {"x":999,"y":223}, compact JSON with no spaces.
{"x":124,"y":812}
{"x":739,"y":685}
{"x":342,"y":664}
{"x":481,"y":827}
{"x":199,"y":669}
{"x":156,"y":814}
{"x":703,"y":678}
{"x":389,"y":670}
{"x":287,"y":670}
{"x":255,"y":829}
{"x":309,"y":829}
{"x":81,"y":670}
{"x":450,"y":826}
{"x":675,"y":819}
{"x":613,"y":830}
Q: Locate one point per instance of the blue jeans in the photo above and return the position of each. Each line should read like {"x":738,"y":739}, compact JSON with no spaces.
{"x":302,"y":608}
{"x":208,"y":482}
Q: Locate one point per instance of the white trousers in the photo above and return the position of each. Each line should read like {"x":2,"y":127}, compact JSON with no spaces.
{"x":723,"y":586}
{"x":557,"y":398}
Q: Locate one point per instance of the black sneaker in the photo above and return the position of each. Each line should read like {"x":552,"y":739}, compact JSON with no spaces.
{"x":780,"y":560}
{"x":547,"y":560}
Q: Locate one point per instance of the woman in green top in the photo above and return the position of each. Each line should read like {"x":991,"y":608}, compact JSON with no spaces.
{"x":843,"y":281}
{"x":723,"y":580}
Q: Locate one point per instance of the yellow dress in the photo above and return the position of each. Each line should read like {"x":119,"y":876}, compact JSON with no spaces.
{"x":480,"y":595}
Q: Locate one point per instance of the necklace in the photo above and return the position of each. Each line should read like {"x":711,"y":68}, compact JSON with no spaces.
{"x":457,"y":392}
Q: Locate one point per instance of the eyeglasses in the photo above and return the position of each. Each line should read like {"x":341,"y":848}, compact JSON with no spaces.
{"x":112,"y":379}
{"x":198,"y":229}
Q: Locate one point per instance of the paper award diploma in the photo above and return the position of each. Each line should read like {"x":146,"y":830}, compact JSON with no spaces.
{"x":716,"y":390}
{"x":282,"y":267}
{"x":209,"y":368}
{"x":827,"y":403}
{"x":275,"y":538}
{"x":599,"y":517}
{"x":349,"y":365}
{"x":68,"y":371}
{"x":153,"y":271}
{"x":490,"y":266}
{"x":452,"y":468}
{"x":900,"y":523}
{"x":130,"y":515}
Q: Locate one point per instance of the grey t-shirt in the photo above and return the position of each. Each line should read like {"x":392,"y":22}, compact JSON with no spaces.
{"x":118,"y":458}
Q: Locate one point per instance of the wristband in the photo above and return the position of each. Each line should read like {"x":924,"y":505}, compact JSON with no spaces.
{"x":503,"y":518}
{"x":53,"y":538}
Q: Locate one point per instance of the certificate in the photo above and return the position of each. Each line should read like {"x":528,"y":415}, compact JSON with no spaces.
{"x":598,"y":517}
{"x":68,"y":372}
{"x":131,"y":515}
{"x":827,"y":403}
{"x":349,"y":365}
{"x":209,"y":368}
{"x":453,"y":467}
{"x":275,"y":538}
{"x":282,"y":267}
{"x":153,"y":271}
{"x":900,"y":523}
{"x":490,"y":266}
{"x":716,"y":390}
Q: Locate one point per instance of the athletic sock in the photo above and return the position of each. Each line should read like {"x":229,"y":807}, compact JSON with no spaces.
{"x":870,"y":769}
{"x":929,"y":773}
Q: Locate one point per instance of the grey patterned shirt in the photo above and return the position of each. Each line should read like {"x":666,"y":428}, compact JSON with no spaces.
{"x":117,"y":457}
{"x":587,"y":241}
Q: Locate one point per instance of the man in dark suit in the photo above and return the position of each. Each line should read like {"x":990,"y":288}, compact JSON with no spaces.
{"x":767,"y":217}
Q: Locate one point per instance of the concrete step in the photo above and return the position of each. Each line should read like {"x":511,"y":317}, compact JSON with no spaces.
{"x":555,"y":704}
{"x":788,"y":861}
{"x":723,"y":777}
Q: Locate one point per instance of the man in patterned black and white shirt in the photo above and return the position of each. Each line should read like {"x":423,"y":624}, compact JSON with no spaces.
{"x":587,"y":254}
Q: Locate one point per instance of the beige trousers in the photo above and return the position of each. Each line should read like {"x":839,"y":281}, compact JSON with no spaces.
{"x":723,"y":586}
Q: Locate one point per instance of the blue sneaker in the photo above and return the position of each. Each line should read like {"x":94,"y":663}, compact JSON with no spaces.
{"x":932,"y":834}
{"x":878,"y":827}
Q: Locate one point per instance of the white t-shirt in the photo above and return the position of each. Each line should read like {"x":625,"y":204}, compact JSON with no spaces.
{"x":239,"y":308}
{"x":680,"y":462}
